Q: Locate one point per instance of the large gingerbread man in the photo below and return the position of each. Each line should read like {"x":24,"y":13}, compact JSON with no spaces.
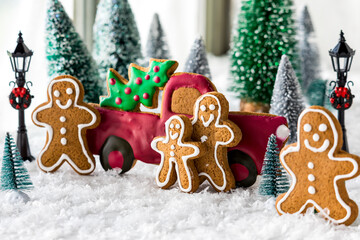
{"x":177,"y":153}
{"x":66,"y":118}
{"x":217,"y":133}
{"x":319,"y":168}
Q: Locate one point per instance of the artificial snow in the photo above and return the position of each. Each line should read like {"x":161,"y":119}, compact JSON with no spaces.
{"x":105,"y":205}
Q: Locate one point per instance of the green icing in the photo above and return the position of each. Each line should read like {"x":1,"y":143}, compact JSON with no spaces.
{"x":128,"y":103}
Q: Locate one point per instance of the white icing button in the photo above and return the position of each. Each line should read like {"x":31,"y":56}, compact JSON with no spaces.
{"x":203,"y":108}
{"x":63,"y":130}
{"x":177,"y":126}
{"x":56,"y":93}
{"x":63,"y":141}
{"x":307,"y":127}
{"x":322,"y":127}
{"x":172,"y":153}
{"x":62,"y":119}
{"x":172,"y":147}
{"x":311,"y":190}
{"x":212,"y":107}
{"x":69,"y":91}
{"x":172,"y":125}
{"x":311,"y":177}
{"x":310,"y":165}
{"x":316,"y":137}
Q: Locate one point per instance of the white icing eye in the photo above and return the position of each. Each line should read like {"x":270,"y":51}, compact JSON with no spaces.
{"x":203,"y":108}
{"x":177,"y":126}
{"x":56,"y":93}
{"x":316,"y":137}
{"x":212,"y":107}
{"x":322,"y":127}
{"x":172,"y":125}
{"x":69,"y":91}
{"x":307,"y":127}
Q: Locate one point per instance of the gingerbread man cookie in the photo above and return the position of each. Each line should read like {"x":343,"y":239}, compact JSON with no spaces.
{"x":217,"y":133}
{"x":319,"y":168}
{"x":177,"y":149}
{"x":66,"y":118}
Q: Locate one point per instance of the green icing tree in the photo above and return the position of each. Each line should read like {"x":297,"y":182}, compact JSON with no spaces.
{"x":141,"y":88}
{"x":265,"y":32}
{"x":14,"y":175}
{"x":116,"y":37}
{"x":67,"y":54}
{"x":274,"y":179}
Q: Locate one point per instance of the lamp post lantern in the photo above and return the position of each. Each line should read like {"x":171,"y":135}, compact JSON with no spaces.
{"x":341,"y":97}
{"x":20,"y":97}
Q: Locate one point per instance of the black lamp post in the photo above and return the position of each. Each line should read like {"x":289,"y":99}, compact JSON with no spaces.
{"x":20,"y":97}
{"x":341,"y":97}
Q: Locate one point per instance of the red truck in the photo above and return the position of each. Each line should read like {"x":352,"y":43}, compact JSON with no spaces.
{"x":123,"y":137}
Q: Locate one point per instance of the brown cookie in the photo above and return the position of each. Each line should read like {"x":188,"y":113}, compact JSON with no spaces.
{"x":217,"y":133}
{"x":177,"y":153}
{"x":319,"y":168}
{"x":66,"y":118}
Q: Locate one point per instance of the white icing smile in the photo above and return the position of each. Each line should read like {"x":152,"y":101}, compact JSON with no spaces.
{"x":207,"y":123}
{"x":320,"y":149}
{"x":66,"y":106}
{"x":174,"y":136}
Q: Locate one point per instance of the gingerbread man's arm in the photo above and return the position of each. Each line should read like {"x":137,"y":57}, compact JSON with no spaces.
{"x":347,"y":163}
{"x":229,"y":134}
{"x":86,"y":115}
{"x":42,"y":114}
{"x":159,"y":144}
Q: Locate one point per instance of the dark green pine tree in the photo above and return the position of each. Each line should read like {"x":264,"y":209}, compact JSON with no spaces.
{"x":116,"y":37}
{"x":14,"y":175}
{"x":67,"y":54}
{"x":274,"y":179}
{"x":265,"y":32}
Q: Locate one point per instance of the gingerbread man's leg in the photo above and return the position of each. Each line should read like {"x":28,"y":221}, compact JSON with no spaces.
{"x":291,"y":203}
{"x":48,"y":158}
{"x":80,"y":159}
{"x":187,"y":175}
{"x":166,"y":175}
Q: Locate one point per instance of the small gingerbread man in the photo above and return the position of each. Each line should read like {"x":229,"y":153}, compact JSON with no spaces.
{"x":66,"y":118}
{"x":217,"y":133}
{"x":177,"y":154}
{"x":319,"y":168}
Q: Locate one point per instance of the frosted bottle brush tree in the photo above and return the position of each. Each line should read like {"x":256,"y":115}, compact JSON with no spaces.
{"x":156,"y":45}
{"x":287,"y":99}
{"x":197,"y":61}
{"x":265,"y":31}
{"x":116,"y":37}
{"x":274,"y":179}
{"x":67,"y":54}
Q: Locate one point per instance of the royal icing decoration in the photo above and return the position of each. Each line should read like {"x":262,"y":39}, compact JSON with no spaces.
{"x":321,"y":183}
{"x":178,"y":159}
{"x":141,"y":88}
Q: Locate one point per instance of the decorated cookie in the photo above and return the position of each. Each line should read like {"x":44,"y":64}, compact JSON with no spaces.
{"x":217,"y":133}
{"x":66,"y":118}
{"x":143,"y":86}
{"x":319,"y":168}
{"x":177,"y":152}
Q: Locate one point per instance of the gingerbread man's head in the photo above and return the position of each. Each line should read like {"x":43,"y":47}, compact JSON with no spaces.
{"x":174,"y":128}
{"x":209,"y":108}
{"x":64,"y":92}
{"x":319,"y":131}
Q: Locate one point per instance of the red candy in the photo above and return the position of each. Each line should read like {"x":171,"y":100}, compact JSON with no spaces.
{"x":118,"y":101}
{"x":136,"y":98}
{"x":145,"y":95}
{"x":127,"y":90}
{"x":112,"y":81}
{"x":156,"y":68}
{"x":147,"y":77}
{"x":138,"y":80}
{"x":156,"y":79}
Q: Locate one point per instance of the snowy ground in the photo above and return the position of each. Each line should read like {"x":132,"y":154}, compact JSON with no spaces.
{"x":104,"y":205}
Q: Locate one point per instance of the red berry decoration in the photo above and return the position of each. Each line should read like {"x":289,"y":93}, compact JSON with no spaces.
{"x":112,"y":81}
{"x":347,"y":105}
{"x":332,"y":100}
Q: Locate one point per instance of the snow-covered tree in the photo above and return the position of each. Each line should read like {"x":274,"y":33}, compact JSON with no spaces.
{"x":274,"y":180}
{"x":156,"y":45}
{"x":287,"y":99}
{"x":67,"y":54}
{"x":265,"y":31}
{"x":309,"y":55}
{"x":14,"y":175}
{"x":197,"y":61}
{"x":116,"y":37}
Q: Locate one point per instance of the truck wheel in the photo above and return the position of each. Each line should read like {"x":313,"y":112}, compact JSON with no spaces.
{"x":243,"y":168}
{"x":116,"y":152}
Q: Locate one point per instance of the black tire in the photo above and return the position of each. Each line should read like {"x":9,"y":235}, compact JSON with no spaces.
{"x":114,"y":143}
{"x":239,"y":157}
